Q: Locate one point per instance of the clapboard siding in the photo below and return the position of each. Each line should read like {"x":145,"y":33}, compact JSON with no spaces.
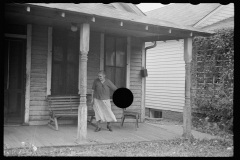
{"x":166,"y":81}
{"x":165,"y":95}
{"x":39,"y":98}
{"x":166,"y":65}
{"x":165,"y":106}
{"x":93,"y":65}
{"x":135,"y":79}
{"x":38,"y":118}
{"x":38,"y":109}
{"x":165,"y":84}
{"x":135,"y":75}
{"x":39,"y":113}
{"x":173,"y":92}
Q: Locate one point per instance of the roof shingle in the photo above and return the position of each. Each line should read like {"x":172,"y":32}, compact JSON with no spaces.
{"x":183,"y":13}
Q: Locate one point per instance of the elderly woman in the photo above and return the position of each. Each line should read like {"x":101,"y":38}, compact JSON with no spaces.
{"x":101,"y":100}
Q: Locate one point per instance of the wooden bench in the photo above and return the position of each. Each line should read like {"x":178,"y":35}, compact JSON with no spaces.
{"x":65,"y":106}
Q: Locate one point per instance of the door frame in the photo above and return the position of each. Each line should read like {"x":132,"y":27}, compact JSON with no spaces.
{"x":28,"y":53}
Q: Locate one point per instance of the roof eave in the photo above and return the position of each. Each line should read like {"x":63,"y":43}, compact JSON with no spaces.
{"x":192,"y":31}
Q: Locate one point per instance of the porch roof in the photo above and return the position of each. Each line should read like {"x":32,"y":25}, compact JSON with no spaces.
{"x":149,"y":29}
{"x":96,"y":9}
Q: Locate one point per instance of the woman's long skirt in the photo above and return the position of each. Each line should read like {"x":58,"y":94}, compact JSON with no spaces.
{"x":103,"y":112}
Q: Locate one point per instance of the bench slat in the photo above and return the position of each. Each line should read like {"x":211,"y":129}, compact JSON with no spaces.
{"x":60,"y":100}
{"x":62,"y":105}
{"x":53,"y":103}
{"x":64,"y":109}
{"x":63,"y":96}
{"x":64,"y":114}
{"x":67,"y":106}
{"x":73,"y":111}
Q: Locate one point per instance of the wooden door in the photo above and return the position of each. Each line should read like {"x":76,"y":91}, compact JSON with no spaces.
{"x":14,"y":80}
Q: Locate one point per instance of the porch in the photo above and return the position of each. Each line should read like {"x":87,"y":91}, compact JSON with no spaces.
{"x":43,"y":136}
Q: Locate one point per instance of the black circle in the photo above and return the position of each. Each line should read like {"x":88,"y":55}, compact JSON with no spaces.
{"x":122,"y":97}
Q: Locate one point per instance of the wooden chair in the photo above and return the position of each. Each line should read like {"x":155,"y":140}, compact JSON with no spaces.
{"x":132,"y":114}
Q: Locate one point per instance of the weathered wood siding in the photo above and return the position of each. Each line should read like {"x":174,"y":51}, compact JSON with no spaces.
{"x":38,"y":110}
{"x":165,"y":84}
{"x":226,"y":12}
{"x":135,"y":80}
{"x":93,"y":64}
{"x":135,"y":74}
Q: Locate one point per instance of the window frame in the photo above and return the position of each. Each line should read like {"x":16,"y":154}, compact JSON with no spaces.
{"x":115,"y":60}
{"x":64,"y":63}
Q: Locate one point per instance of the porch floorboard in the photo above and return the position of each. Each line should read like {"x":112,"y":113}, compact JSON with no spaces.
{"x":43,"y":136}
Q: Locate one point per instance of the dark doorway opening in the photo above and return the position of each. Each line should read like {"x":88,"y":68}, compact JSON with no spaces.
{"x":14,"y":80}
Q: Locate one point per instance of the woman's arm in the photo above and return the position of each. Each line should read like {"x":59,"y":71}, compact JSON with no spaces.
{"x":93,"y":88}
{"x":92,"y":96}
{"x":112,"y":86}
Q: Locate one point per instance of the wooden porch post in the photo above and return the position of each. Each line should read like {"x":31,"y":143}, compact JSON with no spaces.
{"x":28,"y":73}
{"x":82,"y":109}
{"x":187,"y":119}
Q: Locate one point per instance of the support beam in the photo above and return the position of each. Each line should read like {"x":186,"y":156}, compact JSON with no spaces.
{"x":28,"y":72}
{"x":187,"y":117}
{"x":143,"y":83}
{"x":82,"y":109}
{"x":49,"y":61}
{"x":128,"y":61}
{"x":102,"y":51}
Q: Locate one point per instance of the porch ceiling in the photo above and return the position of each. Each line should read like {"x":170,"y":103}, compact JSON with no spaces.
{"x":46,"y":14}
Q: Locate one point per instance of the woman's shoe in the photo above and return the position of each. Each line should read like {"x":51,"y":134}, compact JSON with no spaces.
{"x":97,"y":129}
{"x":109,"y":128}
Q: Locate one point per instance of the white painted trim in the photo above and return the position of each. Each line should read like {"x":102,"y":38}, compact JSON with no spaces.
{"x":15,"y":35}
{"x":143,"y":84}
{"x":209,"y":15}
{"x":102,"y":51}
{"x":82,"y":109}
{"x":128,"y":62}
{"x":49,"y":61}
{"x":28,"y":73}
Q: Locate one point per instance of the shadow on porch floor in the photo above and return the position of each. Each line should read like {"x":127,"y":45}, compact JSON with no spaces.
{"x":43,"y":136}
